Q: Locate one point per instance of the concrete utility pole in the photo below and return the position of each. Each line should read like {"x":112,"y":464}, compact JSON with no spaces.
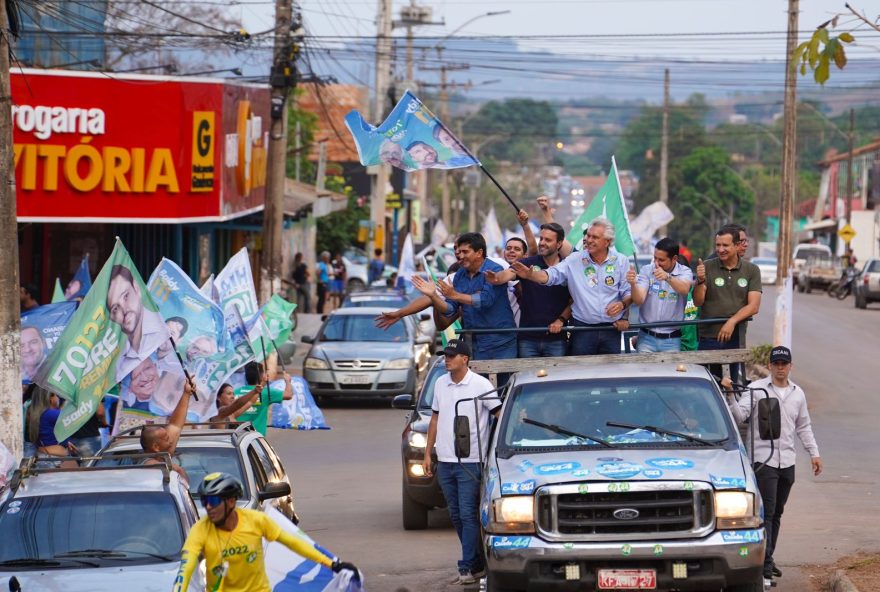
{"x":384,"y":26}
{"x":282,"y":79}
{"x":11,"y":428}
{"x":783,"y":318}
{"x":849,"y":169}
{"x":664,"y":147}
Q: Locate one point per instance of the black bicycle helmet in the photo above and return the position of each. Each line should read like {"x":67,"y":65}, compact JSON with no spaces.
{"x":222,"y":484}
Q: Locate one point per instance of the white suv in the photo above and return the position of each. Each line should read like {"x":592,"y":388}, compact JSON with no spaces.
{"x":88,"y":529}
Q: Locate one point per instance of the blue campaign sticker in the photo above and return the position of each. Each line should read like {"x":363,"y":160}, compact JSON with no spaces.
{"x":524,"y":465}
{"x":511,"y":542}
{"x":670,"y":463}
{"x":556,"y":468}
{"x":619,"y":470}
{"x":652,"y":473}
{"x":514,"y":488}
{"x":727,"y":482}
{"x":580,"y":473}
{"x":742,"y":536}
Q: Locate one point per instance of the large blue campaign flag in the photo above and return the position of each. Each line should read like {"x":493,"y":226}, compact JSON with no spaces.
{"x":79,"y":286}
{"x":411,"y":138}
{"x":40,"y":329}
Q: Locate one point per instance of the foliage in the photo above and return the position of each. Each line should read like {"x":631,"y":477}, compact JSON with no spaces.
{"x":760,"y":354}
{"x":528,"y":126}
{"x":308,"y":125}
{"x":822,"y":49}
{"x":335,"y":231}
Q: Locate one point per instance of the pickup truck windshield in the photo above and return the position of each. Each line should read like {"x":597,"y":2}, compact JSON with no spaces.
{"x":688,"y":406}
{"x":141,"y":527}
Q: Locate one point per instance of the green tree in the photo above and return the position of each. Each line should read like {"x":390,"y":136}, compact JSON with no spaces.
{"x":529,"y":127}
{"x":335,"y":231}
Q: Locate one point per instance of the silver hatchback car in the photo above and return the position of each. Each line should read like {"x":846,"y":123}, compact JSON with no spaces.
{"x":350,"y":356}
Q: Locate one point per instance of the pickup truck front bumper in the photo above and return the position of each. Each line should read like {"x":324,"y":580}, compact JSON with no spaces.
{"x":722,"y":559}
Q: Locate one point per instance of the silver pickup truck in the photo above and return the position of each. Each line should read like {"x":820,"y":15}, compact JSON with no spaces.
{"x":619,"y":476}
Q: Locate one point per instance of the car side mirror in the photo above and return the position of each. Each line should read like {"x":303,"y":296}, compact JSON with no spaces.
{"x":403,"y":402}
{"x":462,"y":430}
{"x":274,"y":490}
{"x":308,"y":339}
{"x":769,"y":419}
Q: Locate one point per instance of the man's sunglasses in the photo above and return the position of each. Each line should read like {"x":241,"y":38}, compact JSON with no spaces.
{"x":211,"y":500}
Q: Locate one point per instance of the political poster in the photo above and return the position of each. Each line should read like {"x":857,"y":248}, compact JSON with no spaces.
{"x":150,"y":393}
{"x":40,"y":329}
{"x":411,"y":138}
{"x":79,"y":285}
{"x":235,"y":287}
{"x":299,"y":412}
{"x":116,"y":327}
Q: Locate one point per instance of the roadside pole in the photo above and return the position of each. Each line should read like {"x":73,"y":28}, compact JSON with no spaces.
{"x":282,"y":79}
{"x":11,"y":425}
{"x":664,"y":148}
{"x":782,"y":320}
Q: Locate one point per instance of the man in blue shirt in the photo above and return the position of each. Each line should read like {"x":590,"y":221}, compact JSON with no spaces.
{"x":661,"y":290}
{"x":541,"y":306}
{"x":596,"y":280}
{"x":482,"y":305}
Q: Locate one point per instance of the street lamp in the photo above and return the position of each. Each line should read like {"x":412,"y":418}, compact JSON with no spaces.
{"x":439,"y":44}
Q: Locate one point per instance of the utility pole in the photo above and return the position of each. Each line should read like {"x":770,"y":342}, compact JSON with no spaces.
{"x":849,"y":169}
{"x":664,"y":147}
{"x":783,"y":318}
{"x":282,"y":79}
{"x":11,"y":428}
{"x":384,"y":26}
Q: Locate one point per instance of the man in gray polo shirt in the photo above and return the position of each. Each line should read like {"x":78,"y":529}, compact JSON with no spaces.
{"x":661,"y":290}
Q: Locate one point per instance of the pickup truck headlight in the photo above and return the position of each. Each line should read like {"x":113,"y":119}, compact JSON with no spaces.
{"x":316,"y":364}
{"x":514,"y":514}
{"x":417,"y":439}
{"x":401,"y":364}
{"x":735,"y":509}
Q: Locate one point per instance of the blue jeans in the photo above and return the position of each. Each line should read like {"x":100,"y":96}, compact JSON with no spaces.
{"x":541,"y":348}
{"x":588,"y":343}
{"x":649,"y":343}
{"x":507,"y":351}
{"x":460,"y":483}
{"x":712,"y":344}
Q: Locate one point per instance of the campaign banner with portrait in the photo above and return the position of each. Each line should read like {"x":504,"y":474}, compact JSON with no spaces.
{"x":150,"y":393}
{"x":115,"y":329}
{"x":79,"y":285}
{"x":40,"y":329}
{"x":411,"y":138}
{"x":235,"y":288}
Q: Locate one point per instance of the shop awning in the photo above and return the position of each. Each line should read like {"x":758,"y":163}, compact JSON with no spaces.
{"x":299,"y":195}
{"x":821,"y":225}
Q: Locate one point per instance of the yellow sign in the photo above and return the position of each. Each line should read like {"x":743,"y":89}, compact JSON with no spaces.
{"x":203,"y":151}
{"x":393,"y":201}
{"x":847,"y":233}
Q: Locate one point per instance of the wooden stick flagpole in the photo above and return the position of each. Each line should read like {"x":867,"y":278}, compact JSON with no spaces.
{"x":182,"y":367}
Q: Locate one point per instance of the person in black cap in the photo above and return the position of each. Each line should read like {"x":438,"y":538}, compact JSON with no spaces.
{"x":776,"y":477}
{"x":460,"y":478}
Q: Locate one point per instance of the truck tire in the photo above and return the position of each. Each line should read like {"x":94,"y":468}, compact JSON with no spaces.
{"x":861,"y":301}
{"x":800,"y":286}
{"x":808,"y":287}
{"x":751,"y":587}
{"x":415,"y":515}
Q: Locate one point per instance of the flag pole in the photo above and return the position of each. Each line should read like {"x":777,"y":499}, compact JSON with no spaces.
{"x":625,"y":214}
{"x":280,"y":361}
{"x":500,"y":188}
{"x":182,"y":367}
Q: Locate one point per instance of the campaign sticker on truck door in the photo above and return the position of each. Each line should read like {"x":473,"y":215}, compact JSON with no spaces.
{"x":652,"y":473}
{"x":514,"y":488}
{"x":524,"y":465}
{"x":670,"y":463}
{"x":556,"y":468}
{"x":727,"y":482}
{"x":620,"y":470}
{"x":742,"y":536}
{"x":509,"y":542}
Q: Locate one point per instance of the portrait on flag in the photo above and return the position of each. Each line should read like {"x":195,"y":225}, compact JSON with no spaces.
{"x":81,"y":282}
{"x":149,"y":394}
{"x":40,"y":329}
{"x":411,"y":138}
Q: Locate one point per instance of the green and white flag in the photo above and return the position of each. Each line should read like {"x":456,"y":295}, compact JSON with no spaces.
{"x":276,"y":314}
{"x":116,"y":327}
{"x":58,"y":294}
{"x":608,"y":203}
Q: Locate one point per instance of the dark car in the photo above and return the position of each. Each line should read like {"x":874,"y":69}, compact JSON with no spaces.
{"x":420,"y":493}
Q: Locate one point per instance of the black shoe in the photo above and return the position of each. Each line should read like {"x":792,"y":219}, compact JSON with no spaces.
{"x":768,"y":573}
{"x":777,"y":573}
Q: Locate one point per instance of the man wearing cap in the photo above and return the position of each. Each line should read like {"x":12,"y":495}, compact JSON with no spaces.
{"x":460,"y":478}
{"x":661,"y":290}
{"x":776,"y":477}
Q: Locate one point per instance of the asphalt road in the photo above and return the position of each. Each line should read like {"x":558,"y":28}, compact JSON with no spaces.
{"x":347,"y":480}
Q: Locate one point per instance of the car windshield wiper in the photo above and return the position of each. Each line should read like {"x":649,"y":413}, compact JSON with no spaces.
{"x":29,"y":562}
{"x":662,"y":431}
{"x":110,"y":554}
{"x":565,"y":432}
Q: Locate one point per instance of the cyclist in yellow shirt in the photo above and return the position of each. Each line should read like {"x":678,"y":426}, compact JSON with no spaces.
{"x":231,"y":540}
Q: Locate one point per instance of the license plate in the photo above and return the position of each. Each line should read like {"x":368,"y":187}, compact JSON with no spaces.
{"x":627,"y":579}
{"x":355,"y":379}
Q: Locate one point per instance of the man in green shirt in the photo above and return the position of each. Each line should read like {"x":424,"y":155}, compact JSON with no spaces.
{"x":257,"y":378}
{"x":727,"y":287}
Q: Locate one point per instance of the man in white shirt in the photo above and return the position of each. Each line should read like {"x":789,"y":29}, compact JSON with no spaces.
{"x":460,"y":478}
{"x":776,"y":477}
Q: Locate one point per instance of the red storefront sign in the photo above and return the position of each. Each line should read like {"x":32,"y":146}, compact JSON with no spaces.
{"x":100,"y":148}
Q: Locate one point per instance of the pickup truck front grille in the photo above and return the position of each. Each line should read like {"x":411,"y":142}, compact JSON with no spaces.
{"x":666,"y":512}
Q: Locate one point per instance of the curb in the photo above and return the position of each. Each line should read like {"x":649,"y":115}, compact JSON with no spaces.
{"x":839,"y":582}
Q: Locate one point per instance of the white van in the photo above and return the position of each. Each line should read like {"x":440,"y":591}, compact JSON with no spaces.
{"x":806,"y":251}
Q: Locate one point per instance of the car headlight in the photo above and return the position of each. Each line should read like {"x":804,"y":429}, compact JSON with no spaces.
{"x":417,"y":439}
{"x":316,"y":364}
{"x":735,"y":509}
{"x":400,"y":364}
{"x":514,"y":514}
